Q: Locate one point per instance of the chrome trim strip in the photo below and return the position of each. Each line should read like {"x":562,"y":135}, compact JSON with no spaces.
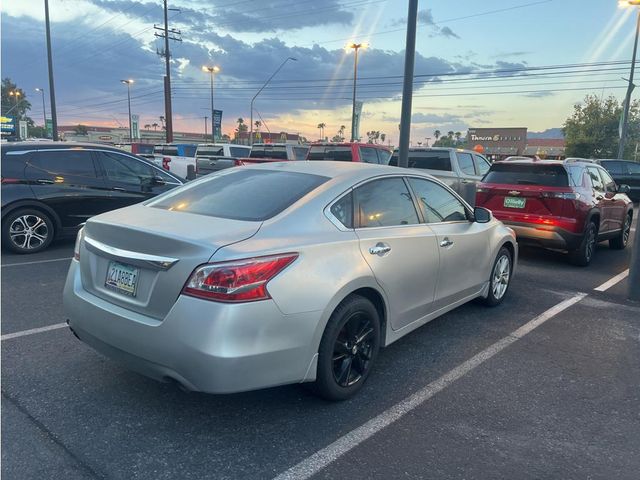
{"x":127,"y":256}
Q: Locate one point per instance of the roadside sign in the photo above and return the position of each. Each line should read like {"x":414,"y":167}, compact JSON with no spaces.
{"x":358,"y":114}
{"x":49,"y":128}
{"x":22,"y":124}
{"x":135,"y":126}
{"x":7,"y":126}
{"x":217,"y":123}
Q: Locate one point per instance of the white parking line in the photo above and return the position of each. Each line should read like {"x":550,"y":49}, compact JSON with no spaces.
{"x":322,"y":458}
{"x":24,"y":333}
{"x":4,"y":265}
{"x":612,"y":281}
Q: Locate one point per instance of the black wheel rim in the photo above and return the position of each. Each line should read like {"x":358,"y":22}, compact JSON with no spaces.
{"x":591,"y":243}
{"x":353,"y":350}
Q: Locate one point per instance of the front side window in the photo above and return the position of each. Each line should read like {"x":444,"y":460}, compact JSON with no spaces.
{"x":239,"y":151}
{"x":210,"y":151}
{"x":596,"y":181}
{"x":616,"y":168}
{"x":437,"y":203}
{"x":466,"y":163}
{"x":609,"y":184}
{"x":63,"y":163}
{"x":120,"y":168}
{"x":330,"y":152}
{"x":384,"y":203}
{"x":241,"y":194}
{"x":633,"y":168}
{"x":368,"y":155}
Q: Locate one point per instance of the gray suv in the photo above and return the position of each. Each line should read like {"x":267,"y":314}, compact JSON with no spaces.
{"x":460,"y":169}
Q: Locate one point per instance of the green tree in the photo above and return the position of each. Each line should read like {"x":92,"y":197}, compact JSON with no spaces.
{"x":37,"y":132}
{"x":81,"y":129}
{"x":11,"y":95}
{"x":592,"y":129}
{"x":445,"y":141}
{"x":436,"y":134}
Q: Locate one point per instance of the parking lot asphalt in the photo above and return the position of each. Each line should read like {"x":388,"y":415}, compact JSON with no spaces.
{"x":559,"y":402}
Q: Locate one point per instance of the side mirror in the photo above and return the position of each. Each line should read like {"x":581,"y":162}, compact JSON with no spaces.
{"x":158,"y":181}
{"x":624,"y":189}
{"x":481,"y":215}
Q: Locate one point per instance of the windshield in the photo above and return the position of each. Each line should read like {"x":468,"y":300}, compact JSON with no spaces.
{"x":243,"y":194}
{"x":324,"y":152}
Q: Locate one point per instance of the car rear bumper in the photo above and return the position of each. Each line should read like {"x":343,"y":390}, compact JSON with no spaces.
{"x":205,"y":346}
{"x":545,"y":236}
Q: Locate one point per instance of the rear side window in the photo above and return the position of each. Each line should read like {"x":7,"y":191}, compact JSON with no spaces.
{"x":210,"y":151}
{"x":257,"y":152}
{"x":13,"y":165}
{"x":596,"y":181}
{"x":279,"y":152}
{"x":368,"y":155}
{"x":616,"y":168}
{"x":166,"y":150}
{"x":336,"y":153}
{"x":384,"y":203}
{"x":343,"y":210}
{"x":435,"y":160}
{"x":239,"y":151}
{"x":633,"y":168}
{"x":482,"y":165}
{"x":300,"y":153}
{"x":384,"y":156}
{"x":245,"y":194}
{"x":466,"y":163}
{"x":73,"y":163}
{"x":527,"y":174}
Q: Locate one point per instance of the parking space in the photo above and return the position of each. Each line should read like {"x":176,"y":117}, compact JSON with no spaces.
{"x":560,"y":401}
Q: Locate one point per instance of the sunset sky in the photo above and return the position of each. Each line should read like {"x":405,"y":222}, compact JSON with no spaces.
{"x":98,"y":42}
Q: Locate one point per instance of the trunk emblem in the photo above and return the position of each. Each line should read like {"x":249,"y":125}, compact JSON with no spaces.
{"x":514,"y":192}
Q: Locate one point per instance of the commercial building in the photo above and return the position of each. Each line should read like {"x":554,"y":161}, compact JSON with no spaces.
{"x":499,"y":143}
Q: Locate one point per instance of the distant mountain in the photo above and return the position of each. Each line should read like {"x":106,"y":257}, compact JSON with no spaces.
{"x":548,"y":133}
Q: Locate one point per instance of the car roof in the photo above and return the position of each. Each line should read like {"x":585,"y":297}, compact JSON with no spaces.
{"x":438,"y":149}
{"x":349,"y":144}
{"x":50,"y":144}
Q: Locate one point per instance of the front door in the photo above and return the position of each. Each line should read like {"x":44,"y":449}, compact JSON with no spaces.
{"x":463,"y":245}
{"x":401,"y":252}
{"x":602,"y":202}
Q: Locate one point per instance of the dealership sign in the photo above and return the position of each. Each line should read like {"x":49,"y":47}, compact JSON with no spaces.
{"x":7,"y":125}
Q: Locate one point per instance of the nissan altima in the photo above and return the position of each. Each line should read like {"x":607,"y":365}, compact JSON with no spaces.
{"x":281,"y":273}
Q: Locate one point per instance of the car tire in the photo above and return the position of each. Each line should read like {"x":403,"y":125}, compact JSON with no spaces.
{"x":583,"y":255}
{"x":620,"y":242}
{"x":348,"y":349}
{"x":500,"y":278}
{"x":27,"y":230}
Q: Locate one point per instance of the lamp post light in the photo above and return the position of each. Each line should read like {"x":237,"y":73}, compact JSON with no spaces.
{"x":44,"y":110}
{"x":128,"y":84}
{"x":258,"y":93}
{"x":212,"y":71}
{"x":355,"y":47}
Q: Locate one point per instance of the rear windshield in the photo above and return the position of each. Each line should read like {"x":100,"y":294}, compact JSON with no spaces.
{"x":324,"y":152}
{"x":245,"y":194}
{"x":426,"y":160}
{"x":527,"y":174}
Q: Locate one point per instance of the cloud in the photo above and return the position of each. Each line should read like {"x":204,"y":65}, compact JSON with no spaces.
{"x":425,"y":17}
{"x":540,"y":94}
{"x":447,"y":32}
{"x":521,"y":53}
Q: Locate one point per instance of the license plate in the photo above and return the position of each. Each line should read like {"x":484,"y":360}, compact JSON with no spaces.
{"x":514,"y":202}
{"x":122,"y":278}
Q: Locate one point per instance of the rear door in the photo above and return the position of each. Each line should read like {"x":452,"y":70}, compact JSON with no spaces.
{"x":463,"y":245}
{"x":67,"y":180}
{"x":401,"y":252}
{"x":616,"y":203}
{"x":468,"y":176}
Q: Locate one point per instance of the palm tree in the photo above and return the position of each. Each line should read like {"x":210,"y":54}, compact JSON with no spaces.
{"x":321,"y":128}
{"x":147,"y":126}
{"x":341,"y":132}
{"x":155,"y":126}
{"x":457,"y":135}
{"x":450,"y":134}
{"x":257,"y":124}
{"x":436,"y":134}
{"x":383,"y":136}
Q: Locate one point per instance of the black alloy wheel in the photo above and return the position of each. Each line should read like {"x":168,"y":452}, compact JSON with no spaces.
{"x":583,"y":255}
{"x":621,"y":241}
{"x":352,"y":350}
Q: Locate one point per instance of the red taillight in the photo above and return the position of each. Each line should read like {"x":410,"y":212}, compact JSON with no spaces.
{"x":238,"y":163}
{"x":10,"y":180}
{"x":237,"y":281}
{"x":562,"y":195}
{"x":165,"y":163}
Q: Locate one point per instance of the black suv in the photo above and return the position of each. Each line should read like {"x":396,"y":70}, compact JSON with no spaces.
{"x":50,"y":188}
{"x":625,"y":172}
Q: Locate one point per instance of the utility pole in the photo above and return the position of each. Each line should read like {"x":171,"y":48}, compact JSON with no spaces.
{"x":205,"y":128}
{"x":168,"y":34}
{"x":128,"y":84}
{"x":44,"y":110}
{"x":52,"y":90}
{"x":356,"y":47}
{"x":630,"y":87}
{"x":407,"y":89}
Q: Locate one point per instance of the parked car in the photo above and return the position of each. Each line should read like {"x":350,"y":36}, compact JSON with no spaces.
{"x":460,"y":169}
{"x":277,"y":151}
{"x":213,"y":157}
{"x":175,"y":157}
{"x":568,"y":205}
{"x":625,"y":172}
{"x":281,"y":273}
{"x":350,"y":152}
{"x":50,"y":188}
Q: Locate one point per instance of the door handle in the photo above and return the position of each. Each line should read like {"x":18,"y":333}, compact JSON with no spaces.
{"x":464,"y":180}
{"x":380,"y":249}
{"x":45,"y":181}
{"x":446,"y":242}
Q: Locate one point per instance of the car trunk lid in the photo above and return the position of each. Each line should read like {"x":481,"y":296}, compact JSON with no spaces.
{"x":139,"y":258}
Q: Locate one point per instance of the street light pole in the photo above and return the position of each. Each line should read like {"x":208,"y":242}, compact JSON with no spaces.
{"x":212,"y":71}
{"x":356,"y":47}
{"x":128,"y":84}
{"x":407,"y":89}
{"x":44,"y":110}
{"x":258,"y":93}
{"x":205,"y":127}
{"x":52,"y":90}
{"x":15,"y":94}
{"x":630,"y":87}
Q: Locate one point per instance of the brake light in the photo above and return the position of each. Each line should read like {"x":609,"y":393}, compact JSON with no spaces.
{"x":165,"y":163}
{"x":237,"y":281}
{"x":10,"y":180}
{"x":562,"y":195}
{"x":76,"y":248}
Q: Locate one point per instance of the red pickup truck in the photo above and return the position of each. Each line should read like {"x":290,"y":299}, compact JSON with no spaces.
{"x":350,"y":152}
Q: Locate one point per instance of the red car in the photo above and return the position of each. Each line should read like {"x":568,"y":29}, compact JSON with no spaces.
{"x":350,"y":152}
{"x":562,"y":204}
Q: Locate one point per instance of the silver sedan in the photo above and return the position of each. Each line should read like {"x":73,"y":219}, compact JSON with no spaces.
{"x":281,"y":273}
